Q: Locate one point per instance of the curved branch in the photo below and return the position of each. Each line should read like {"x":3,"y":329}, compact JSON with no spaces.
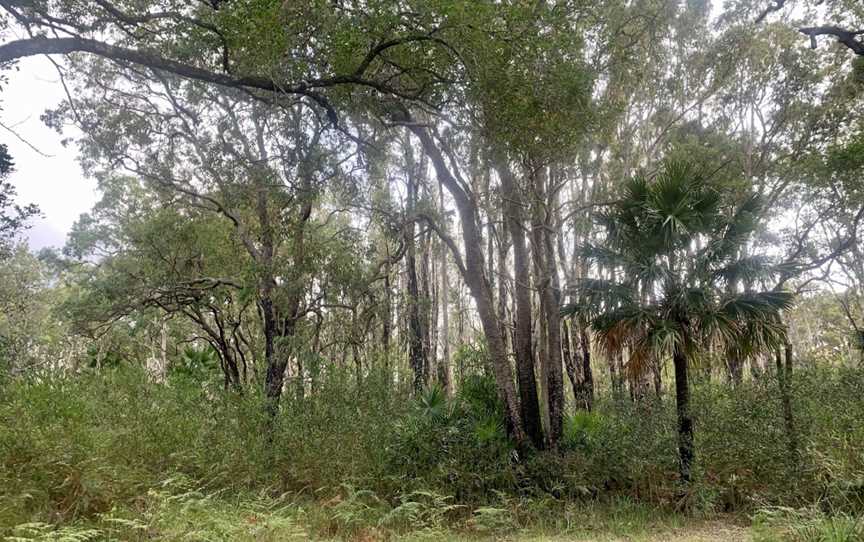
{"x":846,"y":37}
{"x":53,"y":46}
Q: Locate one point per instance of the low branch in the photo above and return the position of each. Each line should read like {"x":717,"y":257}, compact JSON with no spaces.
{"x":846,"y":37}
{"x":57,"y":46}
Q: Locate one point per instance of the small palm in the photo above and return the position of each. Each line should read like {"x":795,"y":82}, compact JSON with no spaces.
{"x":673,"y":247}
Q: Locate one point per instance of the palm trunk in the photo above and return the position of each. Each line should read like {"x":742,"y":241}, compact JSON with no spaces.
{"x":784,"y":373}
{"x":587,"y":375}
{"x":686,"y":450}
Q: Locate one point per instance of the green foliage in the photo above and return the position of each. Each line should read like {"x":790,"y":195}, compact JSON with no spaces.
{"x":471,"y":359}
{"x":376,"y":462}
{"x":672,"y":296}
{"x":460,"y":444}
{"x":195,"y":365}
{"x":13,"y":216}
{"x":32,"y":336}
{"x":178,"y":510}
{"x":581,"y":430}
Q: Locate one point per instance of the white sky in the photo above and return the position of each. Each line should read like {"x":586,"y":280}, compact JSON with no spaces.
{"x":55,"y":183}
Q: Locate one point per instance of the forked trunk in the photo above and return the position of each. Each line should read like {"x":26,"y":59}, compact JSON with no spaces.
{"x":522,"y":346}
{"x":474,"y":273}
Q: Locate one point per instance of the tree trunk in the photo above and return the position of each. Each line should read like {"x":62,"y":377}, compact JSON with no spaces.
{"x":387,"y":316}
{"x":656,"y":370}
{"x":415,"y":333}
{"x":356,"y":358}
{"x":426,"y":305}
{"x":416,"y":354}
{"x":503,"y":250}
{"x":444,"y":376}
{"x":570,"y":360}
{"x":551,"y":291}
{"x":734,"y":366}
{"x":784,"y":373}
{"x":587,"y":374}
{"x":473,"y":272}
{"x":686,"y":450}
{"x":279,"y":326}
{"x":275,"y":364}
{"x":614,"y":373}
{"x":522,"y":346}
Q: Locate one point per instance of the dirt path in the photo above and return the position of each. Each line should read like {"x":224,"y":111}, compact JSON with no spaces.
{"x":707,"y":531}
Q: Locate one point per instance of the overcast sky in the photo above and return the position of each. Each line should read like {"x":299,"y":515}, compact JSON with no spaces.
{"x":55,"y":182}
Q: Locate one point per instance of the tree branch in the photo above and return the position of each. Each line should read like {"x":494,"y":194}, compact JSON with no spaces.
{"x":846,"y":37}
{"x":35,"y":46}
{"x":776,"y":5}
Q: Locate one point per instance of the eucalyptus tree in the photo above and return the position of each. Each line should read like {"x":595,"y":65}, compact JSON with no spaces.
{"x":532,"y":104}
{"x":33,"y":335}
{"x":325,"y":55}
{"x":667,"y":299}
{"x":261,"y":168}
{"x":13,"y":215}
{"x":314,"y":51}
{"x":139,"y":256}
{"x":842,"y":21}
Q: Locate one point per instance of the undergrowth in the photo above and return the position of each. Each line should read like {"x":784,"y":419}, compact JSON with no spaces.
{"x":115,"y":456}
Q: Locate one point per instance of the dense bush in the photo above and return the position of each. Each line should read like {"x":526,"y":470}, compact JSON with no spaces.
{"x":77,"y":447}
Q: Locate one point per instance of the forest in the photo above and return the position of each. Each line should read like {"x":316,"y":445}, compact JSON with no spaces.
{"x":439,"y":270}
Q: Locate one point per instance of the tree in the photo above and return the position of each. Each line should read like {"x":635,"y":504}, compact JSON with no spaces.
{"x":673,"y":245}
{"x":33,"y":336}
{"x":13,"y":216}
{"x":138,"y":256}
{"x":374,"y":50}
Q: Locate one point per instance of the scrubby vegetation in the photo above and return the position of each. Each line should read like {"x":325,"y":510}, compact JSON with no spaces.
{"x":113,"y":455}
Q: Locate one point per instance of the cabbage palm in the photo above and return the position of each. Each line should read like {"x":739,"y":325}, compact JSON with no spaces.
{"x":678,"y":282}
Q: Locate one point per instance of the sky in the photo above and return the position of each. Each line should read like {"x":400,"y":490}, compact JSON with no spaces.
{"x":54,"y":182}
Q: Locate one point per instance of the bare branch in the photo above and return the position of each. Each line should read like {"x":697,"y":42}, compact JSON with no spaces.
{"x":846,"y":37}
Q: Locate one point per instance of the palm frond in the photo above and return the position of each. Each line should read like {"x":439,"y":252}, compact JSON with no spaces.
{"x":756,"y":305}
{"x":593,"y":296}
{"x":749,"y":269}
{"x":761,"y":336}
{"x":604,"y":256}
{"x":735,"y":231}
{"x":615,"y":329}
{"x":682,"y":205}
{"x":670,"y":298}
{"x":748,"y":323}
{"x":658,"y":340}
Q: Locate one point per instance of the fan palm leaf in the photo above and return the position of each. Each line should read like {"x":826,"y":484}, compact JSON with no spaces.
{"x":674,"y":299}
